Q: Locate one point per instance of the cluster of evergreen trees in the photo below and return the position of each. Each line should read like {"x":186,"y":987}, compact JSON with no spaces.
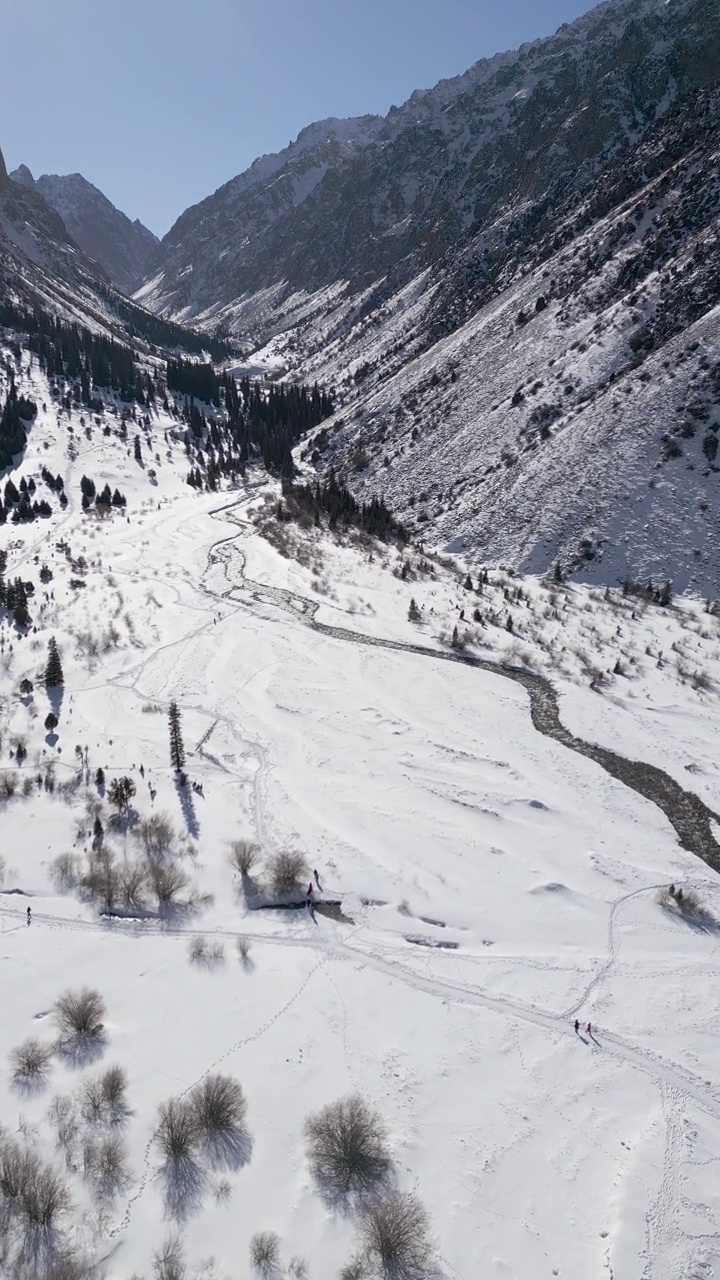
{"x":337,"y":503}
{"x":264,"y":423}
{"x":14,"y":595}
{"x":101,"y":498}
{"x":165,"y":333}
{"x":17,"y":410}
{"x":19,"y":504}
{"x":73,"y":352}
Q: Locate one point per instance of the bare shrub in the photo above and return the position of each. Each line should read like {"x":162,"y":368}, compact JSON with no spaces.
{"x":63,"y":1117}
{"x":298,"y":1268}
{"x":106,"y":1166}
{"x":243,"y":948}
{"x":30,"y":1063}
{"x":394,"y":1233}
{"x":169,"y":1261}
{"x":101,"y":879}
{"x":218,"y":1105}
{"x":287,"y":870}
{"x":177,"y":1130}
{"x":66,"y":1266}
{"x":243,"y":856}
{"x":347,"y":1147}
{"x":132,"y":882}
{"x":80,"y":1013}
{"x":167,"y":883}
{"x":265,"y":1251}
{"x":44,"y":1199}
{"x":8,"y":786}
{"x":103,"y":1099}
{"x":355,"y":1269}
{"x":18,"y":1167}
{"x":197,"y":950}
{"x":66,"y":871}
{"x":156,"y":835}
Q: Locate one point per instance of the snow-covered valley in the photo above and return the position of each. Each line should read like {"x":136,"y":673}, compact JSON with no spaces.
{"x":490,"y":885}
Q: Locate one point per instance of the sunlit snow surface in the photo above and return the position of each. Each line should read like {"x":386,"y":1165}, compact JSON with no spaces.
{"x":436,"y":813}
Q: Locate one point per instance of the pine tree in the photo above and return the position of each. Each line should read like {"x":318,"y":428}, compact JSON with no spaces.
{"x":53,"y":671}
{"x":413,"y":611}
{"x":99,"y":778}
{"x":177,"y":748}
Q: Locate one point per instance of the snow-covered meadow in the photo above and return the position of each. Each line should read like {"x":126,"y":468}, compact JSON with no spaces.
{"x":494,"y":887}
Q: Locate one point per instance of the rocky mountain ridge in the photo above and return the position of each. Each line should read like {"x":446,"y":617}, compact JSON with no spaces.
{"x":121,"y":247}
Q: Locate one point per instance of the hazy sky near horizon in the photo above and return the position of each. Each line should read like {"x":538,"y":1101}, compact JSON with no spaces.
{"x":159,"y":103}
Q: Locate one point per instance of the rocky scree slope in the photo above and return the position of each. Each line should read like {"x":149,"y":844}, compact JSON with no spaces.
{"x":575,"y":415}
{"x":104,"y":233}
{"x":375,"y":200}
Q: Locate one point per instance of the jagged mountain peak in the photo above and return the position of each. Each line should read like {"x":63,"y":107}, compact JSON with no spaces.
{"x":23,"y":175}
{"x":104,"y":233}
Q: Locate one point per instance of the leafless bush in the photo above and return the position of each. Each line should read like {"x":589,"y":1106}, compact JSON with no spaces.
{"x":688,"y":902}
{"x":355,"y":1269}
{"x":132,"y":884}
{"x":8,"y":786}
{"x":63,"y":1117}
{"x":177,"y":1131}
{"x":156,"y":835}
{"x":298,"y":1268}
{"x":29,"y":1063}
{"x":347,"y":1147}
{"x":287,"y":870}
{"x":106,"y":1166}
{"x":66,"y":1266}
{"x":18,"y":1167}
{"x":169,"y":1261}
{"x":66,"y":871}
{"x":168,"y":883}
{"x":265,"y":1251}
{"x":197,"y":950}
{"x":101,"y":879}
{"x":44,"y":1199}
{"x":394,"y":1233}
{"x":243,"y":948}
{"x":218,"y":1105}
{"x":103,"y":1098}
{"x":244,"y":856}
{"x":80,"y":1013}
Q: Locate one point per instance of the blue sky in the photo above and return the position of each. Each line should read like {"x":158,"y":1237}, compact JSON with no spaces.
{"x":159,"y":102}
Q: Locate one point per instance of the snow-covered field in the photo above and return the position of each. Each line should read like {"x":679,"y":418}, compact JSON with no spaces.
{"x":494,"y":886}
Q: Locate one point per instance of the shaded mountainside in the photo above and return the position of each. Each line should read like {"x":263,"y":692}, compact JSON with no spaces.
{"x":42,"y":267}
{"x":121,"y":247}
{"x":511,"y":283}
{"x":391,"y":197}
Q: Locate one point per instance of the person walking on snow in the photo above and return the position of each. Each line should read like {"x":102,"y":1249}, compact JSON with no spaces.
{"x":29,"y":915}
{"x":577,"y":1025}
{"x":317,"y":880}
{"x":589,"y":1028}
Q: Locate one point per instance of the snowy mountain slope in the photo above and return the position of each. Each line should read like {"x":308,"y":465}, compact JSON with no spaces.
{"x":205,"y":248}
{"x":104,"y":233}
{"x":514,"y":129}
{"x":498,"y":886}
{"x":575,"y":415}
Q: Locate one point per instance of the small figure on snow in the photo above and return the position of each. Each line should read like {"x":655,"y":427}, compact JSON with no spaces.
{"x":589,"y":1028}
{"x":317,"y":880}
{"x":577,"y":1025}
{"x":29,"y":915}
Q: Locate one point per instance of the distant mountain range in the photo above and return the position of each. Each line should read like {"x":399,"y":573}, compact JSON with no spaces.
{"x":121,"y":247}
{"x":511,"y":282}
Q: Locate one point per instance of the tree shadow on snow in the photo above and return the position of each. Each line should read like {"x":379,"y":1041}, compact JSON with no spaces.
{"x":82,"y":1050}
{"x":231,"y":1148}
{"x":187,"y":805}
{"x":184,"y":1182}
